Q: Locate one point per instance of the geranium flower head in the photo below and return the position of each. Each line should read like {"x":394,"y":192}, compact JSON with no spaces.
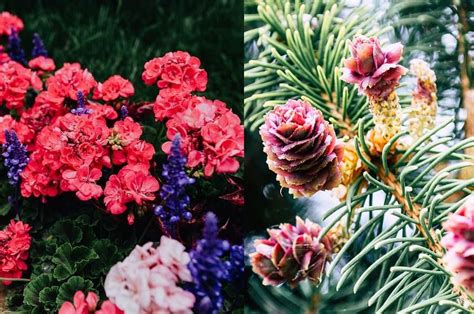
{"x":177,"y":71}
{"x":113,"y":88}
{"x":42,"y":63}
{"x":15,"y":242}
{"x":374,"y":70}
{"x":81,"y":304}
{"x":147,"y":281}
{"x":68,"y":80}
{"x":9,"y":23}
{"x":15,"y":81}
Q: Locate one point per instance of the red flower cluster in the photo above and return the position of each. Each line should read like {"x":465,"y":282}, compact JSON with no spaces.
{"x":133,"y":183}
{"x":25,"y":135}
{"x":66,"y":82}
{"x":41,"y":114}
{"x":50,"y":103}
{"x":15,"y":80}
{"x":9,"y":22}
{"x":83,"y":304}
{"x":176,"y":71}
{"x":113,"y":88}
{"x":42,"y":63}
{"x":168,"y":104}
{"x":15,"y":242}
{"x":69,"y":156}
{"x":211,"y":135}
{"x":71,"y":153}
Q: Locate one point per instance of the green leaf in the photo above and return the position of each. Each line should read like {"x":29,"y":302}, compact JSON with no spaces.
{"x":5,"y":209}
{"x":34,"y":288}
{"x":48,"y":296}
{"x":108,"y":254}
{"x":69,"y":288}
{"x":69,"y":260}
{"x":67,"y":231}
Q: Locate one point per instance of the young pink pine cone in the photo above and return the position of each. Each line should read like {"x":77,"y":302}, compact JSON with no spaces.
{"x":459,"y":243}
{"x":302,"y":148}
{"x":291,"y":254}
{"x":373,"y":69}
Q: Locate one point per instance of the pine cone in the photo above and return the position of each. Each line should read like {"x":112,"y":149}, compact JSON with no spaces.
{"x":374,"y":70}
{"x":302,"y":148}
{"x":459,"y":242}
{"x":291,"y":254}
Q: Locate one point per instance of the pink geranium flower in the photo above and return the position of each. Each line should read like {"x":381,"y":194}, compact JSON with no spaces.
{"x":175,"y":71}
{"x":15,"y":81}
{"x":113,"y":88}
{"x":42,"y":63}
{"x":114,"y":196}
{"x":9,"y":22}
{"x":70,"y":79}
{"x":15,"y":242}
{"x":87,"y":305}
{"x":147,"y":281}
{"x":83,"y":181}
{"x":138,"y":185}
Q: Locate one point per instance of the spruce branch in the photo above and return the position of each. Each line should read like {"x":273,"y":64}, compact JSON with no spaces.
{"x":393,"y":208}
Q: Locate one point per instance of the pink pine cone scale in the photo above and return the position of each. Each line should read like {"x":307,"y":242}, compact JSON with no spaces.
{"x":291,"y":254}
{"x":374,"y":70}
{"x":302,"y":148}
{"x":459,"y":244}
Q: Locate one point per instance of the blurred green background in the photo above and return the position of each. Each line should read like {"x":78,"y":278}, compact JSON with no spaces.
{"x":117,"y":37}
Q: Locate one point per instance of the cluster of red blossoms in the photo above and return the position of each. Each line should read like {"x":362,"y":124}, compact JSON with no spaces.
{"x":71,"y":154}
{"x":175,"y":72}
{"x":93,"y":153}
{"x":9,"y":22}
{"x":211,"y":134}
{"x":15,"y":80}
{"x":15,"y":242}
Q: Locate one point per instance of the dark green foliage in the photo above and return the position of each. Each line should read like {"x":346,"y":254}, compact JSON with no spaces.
{"x":75,"y":243}
{"x":71,"y":251}
{"x":117,"y":37}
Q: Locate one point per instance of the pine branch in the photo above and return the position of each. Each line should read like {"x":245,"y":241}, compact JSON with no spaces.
{"x":400,"y":234}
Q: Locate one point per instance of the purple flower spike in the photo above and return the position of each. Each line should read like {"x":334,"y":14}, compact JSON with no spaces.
{"x":208,"y":270}
{"x":15,"y":51}
{"x":39,"y":50}
{"x":15,"y":157}
{"x":173,"y":192}
{"x":81,"y":105}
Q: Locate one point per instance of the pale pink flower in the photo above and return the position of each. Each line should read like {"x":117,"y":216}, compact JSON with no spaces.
{"x":147,"y":281}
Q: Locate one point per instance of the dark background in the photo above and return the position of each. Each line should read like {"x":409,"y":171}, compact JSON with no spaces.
{"x":117,"y":37}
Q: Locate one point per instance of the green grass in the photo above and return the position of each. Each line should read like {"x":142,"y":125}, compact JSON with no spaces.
{"x":118,"y":37}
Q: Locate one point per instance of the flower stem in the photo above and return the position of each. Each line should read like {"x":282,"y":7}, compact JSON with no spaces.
{"x":15,"y":279}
